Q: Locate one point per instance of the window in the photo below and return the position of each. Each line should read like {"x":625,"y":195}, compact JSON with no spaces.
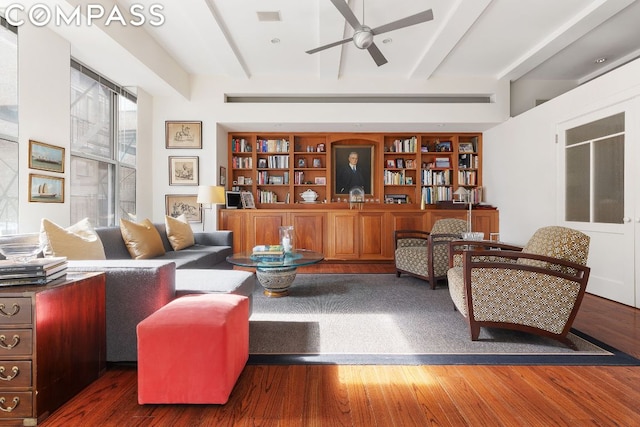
{"x":595,"y":171}
{"x":103,"y":149}
{"x":8,"y":128}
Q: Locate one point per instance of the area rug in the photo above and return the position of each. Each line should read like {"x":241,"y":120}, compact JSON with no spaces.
{"x":382,"y":319}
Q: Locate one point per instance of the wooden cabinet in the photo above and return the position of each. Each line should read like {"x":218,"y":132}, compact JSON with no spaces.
{"x":343,"y":234}
{"x":52,"y":345}
{"x":400,"y":168}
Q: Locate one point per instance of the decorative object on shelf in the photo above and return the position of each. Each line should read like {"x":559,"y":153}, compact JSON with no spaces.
{"x":210,"y":195}
{"x":178,"y":204}
{"x":317,"y":163}
{"x":46,"y":189}
{"x":180,"y":134}
{"x":183,"y":170}
{"x":320,"y":180}
{"x":464,"y":196}
{"x":320,"y":148}
{"x":309,"y":196}
{"x":287,"y":238}
{"x":356,"y":197}
{"x":46,"y":157}
{"x":302,"y":162}
{"x":465,"y":147}
{"x":247,"y":200}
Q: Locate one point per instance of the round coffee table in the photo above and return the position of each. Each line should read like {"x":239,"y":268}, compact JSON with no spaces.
{"x":277,"y":277}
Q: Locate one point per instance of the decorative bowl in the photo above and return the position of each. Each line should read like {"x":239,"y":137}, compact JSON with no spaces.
{"x":20,"y":252}
{"x":309,"y":196}
{"x":473,"y":235}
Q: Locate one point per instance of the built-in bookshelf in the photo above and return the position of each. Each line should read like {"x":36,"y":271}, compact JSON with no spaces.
{"x":405,"y":169}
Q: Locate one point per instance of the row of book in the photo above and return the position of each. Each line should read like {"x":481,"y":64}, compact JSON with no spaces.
{"x":272,"y":145}
{"x":40,"y":271}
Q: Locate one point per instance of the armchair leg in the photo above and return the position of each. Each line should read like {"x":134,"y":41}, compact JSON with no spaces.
{"x":397,"y":273}
{"x":475,"y":331}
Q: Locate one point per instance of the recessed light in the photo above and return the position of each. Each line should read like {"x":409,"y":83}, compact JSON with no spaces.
{"x":387,"y":40}
{"x":600,"y":60}
{"x":275,"y":40}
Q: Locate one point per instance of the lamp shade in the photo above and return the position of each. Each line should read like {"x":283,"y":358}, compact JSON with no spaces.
{"x":212,"y":194}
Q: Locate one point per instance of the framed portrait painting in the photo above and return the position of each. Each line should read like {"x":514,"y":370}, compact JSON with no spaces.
{"x":353,"y":167}
{"x":183,"y":170}
{"x":46,"y":157}
{"x":178,"y":204}
{"x":183,"y":134}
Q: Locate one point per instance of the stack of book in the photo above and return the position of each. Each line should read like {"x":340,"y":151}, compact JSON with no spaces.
{"x":268,"y":253}
{"x":40,"y":271}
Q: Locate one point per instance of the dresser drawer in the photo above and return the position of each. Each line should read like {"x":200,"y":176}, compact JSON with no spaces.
{"x":16,"y":405}
{"x":15,"y":311}
{"x":15,"y":373}
{"x":16,"y":342}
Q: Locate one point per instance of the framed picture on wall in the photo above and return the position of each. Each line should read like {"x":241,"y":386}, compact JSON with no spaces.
{"x":183,"y":170}
{"x":345,"y":176}
{"x":178,"y":204}
{"x":46,"y":189}
{"x":46,"y":157}
{"x":183,"y":134}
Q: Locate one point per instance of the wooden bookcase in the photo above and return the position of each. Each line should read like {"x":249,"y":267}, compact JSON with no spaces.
{"x":403,"y":168}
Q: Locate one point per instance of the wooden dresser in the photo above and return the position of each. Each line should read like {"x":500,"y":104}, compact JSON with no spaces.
{"x":52,"y":345}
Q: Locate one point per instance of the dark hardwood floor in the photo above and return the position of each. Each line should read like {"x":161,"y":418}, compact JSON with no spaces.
{"x":361,"y":395}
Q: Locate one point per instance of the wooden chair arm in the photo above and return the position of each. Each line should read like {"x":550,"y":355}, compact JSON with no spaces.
{"x":409,"y":234}
{"x":461,"y":246}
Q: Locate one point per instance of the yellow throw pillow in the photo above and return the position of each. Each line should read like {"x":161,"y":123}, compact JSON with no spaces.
{"x":76,"y":242}
{"x":179,"y":232}
{"x":142,"y":240}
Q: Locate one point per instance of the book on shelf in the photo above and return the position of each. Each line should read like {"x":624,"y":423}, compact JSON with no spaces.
{"x":35,"y":265}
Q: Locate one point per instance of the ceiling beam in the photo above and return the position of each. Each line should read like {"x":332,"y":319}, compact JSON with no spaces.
{"x":229,"y":53}
{"x":594,"y":14}
{"x":451,"y":29}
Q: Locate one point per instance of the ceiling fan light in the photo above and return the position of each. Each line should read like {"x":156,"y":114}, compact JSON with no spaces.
{"x":363,"y":38}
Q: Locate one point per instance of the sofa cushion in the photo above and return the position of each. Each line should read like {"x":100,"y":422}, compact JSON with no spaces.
{"x":200,"y":256}
{"x":76,"y":242}
{"x":142,"y":240}
{"x":179,"y":232}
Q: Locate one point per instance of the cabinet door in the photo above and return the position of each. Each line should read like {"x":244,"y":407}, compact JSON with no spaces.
{"x":373,"y":240}
{"x":409,"y":221}
{"x":343,"y":235}
{"x":234,"y":220}
{"x":310,"y":230}
{"x":265,"y":229}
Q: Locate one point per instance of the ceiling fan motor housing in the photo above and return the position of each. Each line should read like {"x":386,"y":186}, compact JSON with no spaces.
{"x":363,"y":37}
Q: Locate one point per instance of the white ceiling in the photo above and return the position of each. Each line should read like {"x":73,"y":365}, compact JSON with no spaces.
{"x":497,"y":39}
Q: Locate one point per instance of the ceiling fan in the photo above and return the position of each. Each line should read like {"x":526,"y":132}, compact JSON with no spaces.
{"x":363,"y":35}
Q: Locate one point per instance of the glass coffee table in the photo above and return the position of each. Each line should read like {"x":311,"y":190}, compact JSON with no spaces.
{"x":277,"y":277}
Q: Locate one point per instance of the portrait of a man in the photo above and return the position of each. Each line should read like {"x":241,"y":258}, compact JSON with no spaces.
{"x":352,"y":168}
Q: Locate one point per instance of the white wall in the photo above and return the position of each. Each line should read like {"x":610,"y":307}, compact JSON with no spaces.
{"x":520,"y":170}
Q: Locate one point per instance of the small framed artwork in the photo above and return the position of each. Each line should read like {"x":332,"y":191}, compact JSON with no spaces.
{"x":178,"y":204}
{"x":302,"y":162}
{"x":223,"y":176}
{"x":408,"y":180}
{"x":320,"y":180}
{"x":317,"y":163}
{"x":46,"y":189}
{"x":262,"y":163}
{"x":183,"y":170}
{"x":465,"y":147}
{"x":247,"y":200}
{"x":46,"y":157}
{"x":400,"y":163}
{"x":391,"y":163}
{"x":183,"y":134}
{"x":444,"y":146}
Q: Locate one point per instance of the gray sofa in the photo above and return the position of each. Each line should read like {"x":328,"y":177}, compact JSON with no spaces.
{"x":137,"y":288}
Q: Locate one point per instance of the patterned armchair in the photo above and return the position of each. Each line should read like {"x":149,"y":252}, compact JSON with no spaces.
{"x":537,"y":289}
{"x":426,"y":254}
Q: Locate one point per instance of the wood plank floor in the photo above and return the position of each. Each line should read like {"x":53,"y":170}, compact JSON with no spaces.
{"x":397,"y":395}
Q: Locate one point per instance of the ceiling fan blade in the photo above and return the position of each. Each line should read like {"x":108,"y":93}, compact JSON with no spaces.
{"x":344,"y":9}
{"x":418,"y":18}
{"x":377,"y":55}
{"x":327,"y":46}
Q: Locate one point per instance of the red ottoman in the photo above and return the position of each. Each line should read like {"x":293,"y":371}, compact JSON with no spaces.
{"x":193,"y":349}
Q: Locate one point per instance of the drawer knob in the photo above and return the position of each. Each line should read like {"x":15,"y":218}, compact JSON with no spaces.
{"x":16,"y":402}
{"x":4,"y":377}
{"x":16,"y":310}
{"x":3,"y":344}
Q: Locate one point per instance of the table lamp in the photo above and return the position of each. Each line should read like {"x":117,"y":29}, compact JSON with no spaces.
{"x":211,"y":195}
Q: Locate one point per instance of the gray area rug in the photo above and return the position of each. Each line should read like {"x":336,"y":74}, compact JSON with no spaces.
{"x":379,"y":318}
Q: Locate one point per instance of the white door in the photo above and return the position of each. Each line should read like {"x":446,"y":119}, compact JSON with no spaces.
{"x":597,"y":183}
